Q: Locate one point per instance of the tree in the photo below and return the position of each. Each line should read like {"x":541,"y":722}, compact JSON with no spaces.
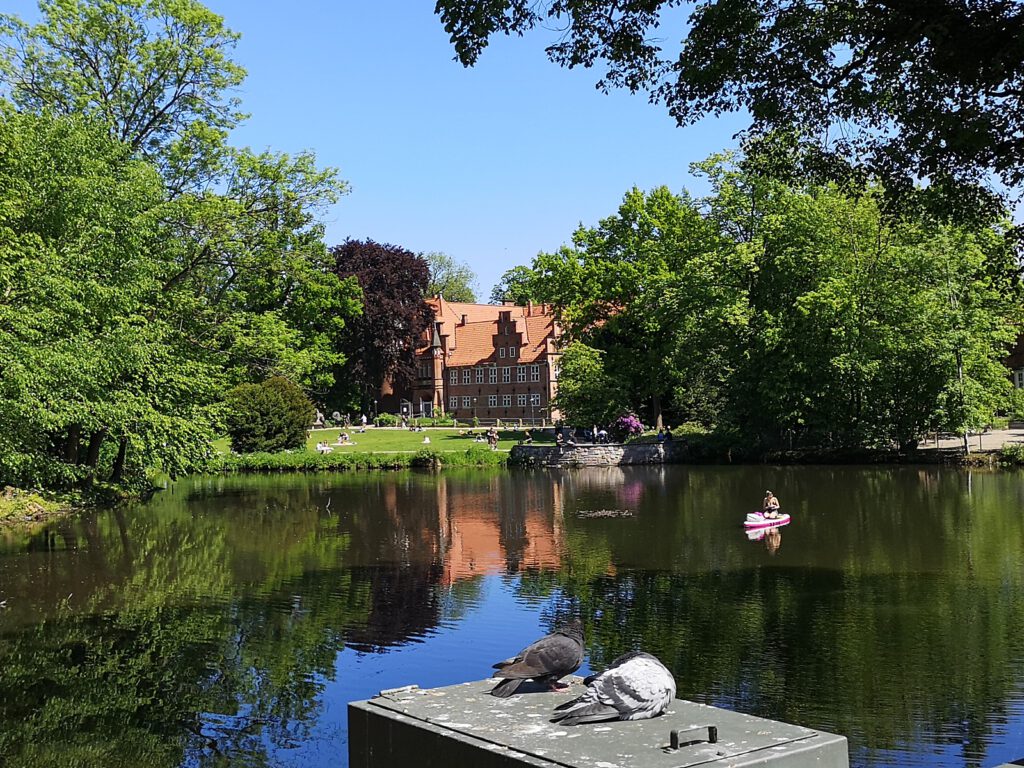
{"x":450,"y":278}
{"x":658,"y":291}
{"x":217,"y":277}
{"x":149,"y":70}
{"x":379,"y":345}
{"x":88,"y":352}
{"x":588,"y":393}
{"x":920,"y":89}
{"x":271,"y":416}
{"x":516,"y":285}
{"x":786,"y":312}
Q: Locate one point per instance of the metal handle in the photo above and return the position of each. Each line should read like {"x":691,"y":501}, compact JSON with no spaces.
{"x":675,"y":742}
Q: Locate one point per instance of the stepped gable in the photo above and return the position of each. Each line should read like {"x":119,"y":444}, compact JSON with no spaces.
{"x":470,"y":330}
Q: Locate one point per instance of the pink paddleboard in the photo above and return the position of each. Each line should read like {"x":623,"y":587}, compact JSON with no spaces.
{"x":757,"y":520}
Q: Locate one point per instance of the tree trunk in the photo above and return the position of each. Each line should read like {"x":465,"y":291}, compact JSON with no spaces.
{"x":71,"y":443}
{"x":656,"y":406}
{"x":122,"y":452}
{"x":95,"y":443}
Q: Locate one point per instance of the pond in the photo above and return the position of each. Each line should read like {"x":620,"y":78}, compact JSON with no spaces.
{"x":228,"y":621}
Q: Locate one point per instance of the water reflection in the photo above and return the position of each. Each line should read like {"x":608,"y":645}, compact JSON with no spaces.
{"x":227,"y":621}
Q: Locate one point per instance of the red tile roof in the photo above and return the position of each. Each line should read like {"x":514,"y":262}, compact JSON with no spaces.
{"x":473,"y":342}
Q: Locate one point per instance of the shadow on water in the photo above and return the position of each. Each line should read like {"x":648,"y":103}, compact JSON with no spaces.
{"x":228,"y":620}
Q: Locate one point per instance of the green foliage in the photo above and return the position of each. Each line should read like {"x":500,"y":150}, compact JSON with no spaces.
{"x":386,"y":420}
{"x":587,"y":392}
{"x":784,"y":313}
{"x":151,"y":70}
{"x":272,"y":416}
{"x":449,"y":278}
{"x":96,"y":377}
{"x":886,"y":72}
{"x":516,"y":285}
{"x":146,"y":266}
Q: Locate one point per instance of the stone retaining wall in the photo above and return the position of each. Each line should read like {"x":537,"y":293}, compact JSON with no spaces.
{"x":596,"y":455}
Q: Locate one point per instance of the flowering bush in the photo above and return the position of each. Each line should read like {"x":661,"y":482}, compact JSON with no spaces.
{"x":627,"y":425}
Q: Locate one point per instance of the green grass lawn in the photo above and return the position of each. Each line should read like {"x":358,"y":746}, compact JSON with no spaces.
{"x":393,"y":439}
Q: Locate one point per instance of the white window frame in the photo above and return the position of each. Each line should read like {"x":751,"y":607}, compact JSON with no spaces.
{"x":467,"y":375}
{"x":506,"y":401}
{"x":534,"y":373}
{"x":512,"y":351}
{"x":1018,"y":378}
{"x":506,"y":375}
{"x":492,"y":375}
{"x":479,"y":375}
{"x":453,"y":403}
{"x":492,"y":401}
{"x":501,"y":351}
{"x":520,"y":374}
{"x":535,"y":398}
{"x":467,"y":402}
{"x":453,"y":376}
{"x":521,"y":400}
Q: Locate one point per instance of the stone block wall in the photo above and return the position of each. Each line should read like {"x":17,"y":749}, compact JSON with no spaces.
{"x":597,"y":455}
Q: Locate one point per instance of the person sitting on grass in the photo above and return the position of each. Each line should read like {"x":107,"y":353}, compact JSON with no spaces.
{"x":527,"y":437}
{"x":426,"y":439}
{"x":343,"y":439}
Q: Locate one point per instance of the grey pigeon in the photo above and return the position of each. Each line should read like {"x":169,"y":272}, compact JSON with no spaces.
{"x":635,"y":687}
{"x":545,"y":661}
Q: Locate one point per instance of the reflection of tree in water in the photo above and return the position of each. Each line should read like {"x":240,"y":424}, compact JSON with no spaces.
{"x":404,"y":604}
{"x":512,"y":534}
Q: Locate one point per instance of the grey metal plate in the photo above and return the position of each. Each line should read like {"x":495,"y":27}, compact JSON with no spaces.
{"x":520,"y":724}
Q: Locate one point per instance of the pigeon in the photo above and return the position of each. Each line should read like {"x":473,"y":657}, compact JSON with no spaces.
{"x":545,"y":661}
{"x":635,"y":687}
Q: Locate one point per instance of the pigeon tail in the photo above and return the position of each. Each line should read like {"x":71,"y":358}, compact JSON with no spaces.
{"x":506,"y":687}
{"x":589,"y":713}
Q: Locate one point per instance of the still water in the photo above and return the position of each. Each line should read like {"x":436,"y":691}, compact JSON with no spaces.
{"x":228,"y":621}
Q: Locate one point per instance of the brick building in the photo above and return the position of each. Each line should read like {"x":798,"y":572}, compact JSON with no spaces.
{"x":488,"y":361}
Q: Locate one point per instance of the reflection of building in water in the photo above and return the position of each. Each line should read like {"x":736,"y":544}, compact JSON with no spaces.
{"x":498,"y":529}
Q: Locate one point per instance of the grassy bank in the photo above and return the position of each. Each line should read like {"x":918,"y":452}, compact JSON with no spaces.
{"x":310,"y":461}
{"x":25,"y":508}
{"x":377,"y":448}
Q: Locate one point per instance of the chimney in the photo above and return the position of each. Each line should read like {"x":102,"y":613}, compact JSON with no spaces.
{"x":529,"y":308}
{"x":463,"y":319}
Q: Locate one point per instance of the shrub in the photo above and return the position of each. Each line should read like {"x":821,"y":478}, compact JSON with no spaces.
{"x":627,"y":426}
{"x":272,"y":416}
{"x":386,"y":420}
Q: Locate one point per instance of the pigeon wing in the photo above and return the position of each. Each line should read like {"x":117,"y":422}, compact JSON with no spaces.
{"x":552,"y":656}
{"x":635,"y":687}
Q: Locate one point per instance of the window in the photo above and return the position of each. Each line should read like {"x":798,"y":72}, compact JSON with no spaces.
{"x":467,"y":402}
{"x":520,"y":373}
{"x":534,"y":373}
{"x":511,"y":351}
{"x":492,"y":401}
{"x":1018,"y":378}
{"x":535,"y":399}
{"x":492,"y":375}
{"x":479,"y":375}
{"x":453,"y":376}
{"x":453,"y":403}
{"x":467,"y":376}
{"x":501,"y":351}
{"x":506,"y":400}
{"x":521,"y":401}
{"x":506,"y":375}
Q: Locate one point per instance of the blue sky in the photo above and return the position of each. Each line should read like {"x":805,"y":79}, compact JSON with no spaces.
{"x":490,"y":165}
